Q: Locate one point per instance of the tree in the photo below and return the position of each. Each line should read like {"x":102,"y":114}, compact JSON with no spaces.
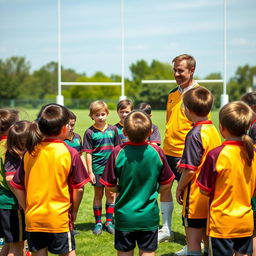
{"x":13,"y":73}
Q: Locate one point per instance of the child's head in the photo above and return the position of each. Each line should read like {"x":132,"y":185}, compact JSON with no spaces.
{"x":98,"y":111}
{"x":17,"y":138}
{"x":144,"y":107}
{"x":52,"y":118}
{"x":123,"y":108}
{"x":7,"y":118}
{"x":198,"y":100}
{"x":72,"y":121}
{"x":137,"y":126}
{"x":250,"y":99}
{"x":235,"y":118}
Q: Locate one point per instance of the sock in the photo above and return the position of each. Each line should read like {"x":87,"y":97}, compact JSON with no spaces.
{"x":109,"y":212}
{"x":166,"y":210}
{"x":194,"y":253}
{"x":97,"y":213}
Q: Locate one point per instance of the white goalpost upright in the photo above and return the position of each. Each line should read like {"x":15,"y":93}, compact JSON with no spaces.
{"x":60,"y":97}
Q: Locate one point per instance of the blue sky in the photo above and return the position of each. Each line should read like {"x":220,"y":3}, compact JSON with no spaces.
{"x":91,"y":33}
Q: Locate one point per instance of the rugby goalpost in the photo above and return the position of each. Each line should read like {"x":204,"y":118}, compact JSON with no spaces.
{"x":60,"y":98}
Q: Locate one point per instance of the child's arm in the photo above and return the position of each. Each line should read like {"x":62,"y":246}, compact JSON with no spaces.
{"x":186,"y":177}
{"x":89,"y":167}
{"x":77,"y":198}
{"x":21,"y":196}
{"x":165,"y":187}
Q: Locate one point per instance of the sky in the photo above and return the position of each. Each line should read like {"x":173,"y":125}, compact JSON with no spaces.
{"x":160,"y":30}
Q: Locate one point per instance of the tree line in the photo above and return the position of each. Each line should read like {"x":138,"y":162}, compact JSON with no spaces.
{"x":18,"y":82}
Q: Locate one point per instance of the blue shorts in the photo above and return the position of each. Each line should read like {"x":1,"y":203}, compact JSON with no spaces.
{"x":227,"y":246}
{"x":56,"y":243}
{"x":126,"y":241}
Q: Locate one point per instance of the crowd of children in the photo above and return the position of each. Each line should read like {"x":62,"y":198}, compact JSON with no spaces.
{"x":216,"y":188}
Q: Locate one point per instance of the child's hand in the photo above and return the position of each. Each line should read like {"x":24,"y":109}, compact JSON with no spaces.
{"x":92,"y":177}
{"x":179,"y":196}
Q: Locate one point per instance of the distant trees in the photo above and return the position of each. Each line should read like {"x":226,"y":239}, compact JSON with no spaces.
{"x":17,"y":82}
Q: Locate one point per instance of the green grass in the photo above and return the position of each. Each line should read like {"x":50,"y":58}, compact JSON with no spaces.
{"x":91,"y":245}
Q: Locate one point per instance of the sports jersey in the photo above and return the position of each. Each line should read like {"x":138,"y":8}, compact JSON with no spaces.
{"x":155,"y":137}
{"x":75,"y":142}
{"x":177,"y":124}
{"x":231,"y":183}
{"x":252,"y":131}
{"x":7,"y":201}
{"x":199,"y":141}
{"x":122,"y":137}
{"x":48,"y":178}
{"x":100,"y":144}
{"x":138,"y":169}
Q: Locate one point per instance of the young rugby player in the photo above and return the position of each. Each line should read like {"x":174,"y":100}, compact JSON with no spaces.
{"x":137,"y":170}
{"x":199,"y":141}
{"x":228,"y":177}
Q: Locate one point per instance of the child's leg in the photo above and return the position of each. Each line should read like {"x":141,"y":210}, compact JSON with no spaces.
{"x":143,"y":253}
{"x":16,"y":248}
{"x":72,"y":253}
{"x":110,"y":204}
{"x":206,"y":242}
{"x":194,"y":237}
{"x":97,"y":203}
{"x":42,"y":252}
{"x":130,"y":253}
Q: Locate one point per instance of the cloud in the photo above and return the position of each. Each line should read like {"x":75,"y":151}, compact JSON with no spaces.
{"x":243,"y":42}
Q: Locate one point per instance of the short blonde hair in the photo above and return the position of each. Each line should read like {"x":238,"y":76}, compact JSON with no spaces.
{"x":137,"y":126}
{"x":98,"y":105}
{"x":191,"y":62}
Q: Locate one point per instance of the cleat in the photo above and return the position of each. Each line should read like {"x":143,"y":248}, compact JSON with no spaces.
{"x":109,"y":227}
{"x":97,"y":229}
{"x":165,"y":236}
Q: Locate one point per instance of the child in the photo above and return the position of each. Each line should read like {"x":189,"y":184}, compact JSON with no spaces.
{"x":199,"y":141}
{"x":123,"y":108}
{"x":7,"y":118}
{"x":99,"y":141}
{"x":73,"y":139}
{"x":138,"y":171}
{"x":14,"y":216}
{"x":49,"y":184}
{"x":228,"y":177}
{"x":155,"y":135}
{"x":250,"y":99}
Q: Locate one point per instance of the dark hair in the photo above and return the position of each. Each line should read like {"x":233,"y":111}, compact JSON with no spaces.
{"x":124,"y":104}
{"x":137,"y":126}
{"x":17,"y":138}
{"x":191,"y":62}
{"x":7,"y":118}
{"x":236,"y":118}
{"x":144,"y":107}
{"x":49,"y":122}
{"x":199,"y":100}
{"x":72,"y":115}
{"x":249,"y":98}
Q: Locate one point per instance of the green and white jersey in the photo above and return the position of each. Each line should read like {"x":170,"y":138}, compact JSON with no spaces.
{"x":137,"y":169}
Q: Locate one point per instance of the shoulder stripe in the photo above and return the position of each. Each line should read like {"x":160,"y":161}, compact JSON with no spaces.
{"x":174,"y":90}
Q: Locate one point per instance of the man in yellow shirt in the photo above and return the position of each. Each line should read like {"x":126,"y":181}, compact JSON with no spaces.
{"x":177,"y":127}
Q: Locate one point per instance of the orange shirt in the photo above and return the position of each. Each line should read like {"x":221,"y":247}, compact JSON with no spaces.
{"x":231,"y":183}
{"x":48,"y":177}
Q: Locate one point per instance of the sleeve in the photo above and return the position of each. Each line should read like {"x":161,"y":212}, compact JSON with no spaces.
{"x":108,"y":177}
{"x":11,"y":164}
{"x":18,"y":181}
{"x":78,"y":175}
{"x":193,"y":151}
{"x":166,"y":175}
{"x":80,"y":142}
{"x":155,"y":136}
{"x":117,"y":138}
{"x":207,"y":177}
{"x":252,"y":132}
{"x":88,"y":142}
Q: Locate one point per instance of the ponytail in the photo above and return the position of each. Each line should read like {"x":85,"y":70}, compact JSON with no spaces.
{"x":34,"y":138}
{"x":249,"y":148}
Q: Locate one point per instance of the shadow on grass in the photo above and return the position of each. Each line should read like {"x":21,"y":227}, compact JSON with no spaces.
{"x":84,"y":226}
{"x":179,"y":238}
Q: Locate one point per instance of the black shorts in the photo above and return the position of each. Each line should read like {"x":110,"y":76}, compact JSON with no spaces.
{"x":227,"y":246}
{"x":98,"y":183}
{"x":12,"y":225}
{"x":172,"y":161}
{"x":194,"y":223}
{"x":126,"y":241}
{"x":56,"y":243}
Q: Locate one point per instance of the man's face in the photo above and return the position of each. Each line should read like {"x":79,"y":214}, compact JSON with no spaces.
{"x":183,"y":75}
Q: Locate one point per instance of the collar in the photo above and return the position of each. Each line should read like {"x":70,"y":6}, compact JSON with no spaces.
{"x":233,"y":142}
{"x":203,"y":122}
{"x":182,"y":90}
{"x":4,"y":137}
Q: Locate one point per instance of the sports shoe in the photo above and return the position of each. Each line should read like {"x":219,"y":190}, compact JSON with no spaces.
{"x":182,"y":252}
{"x":109,"y":227}
{"x":97,"y":229}
{"x":2,"y":241}
{"x":165,"y":235}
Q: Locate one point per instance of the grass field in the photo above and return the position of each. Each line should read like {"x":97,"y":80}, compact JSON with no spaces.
{"x":91,"y":245}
